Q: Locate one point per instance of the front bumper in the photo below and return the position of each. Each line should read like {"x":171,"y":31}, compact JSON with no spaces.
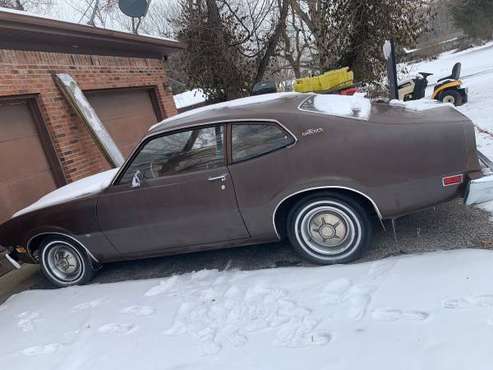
{"x":6,"y":258}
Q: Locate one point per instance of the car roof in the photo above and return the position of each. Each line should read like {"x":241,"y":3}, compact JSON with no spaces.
{"x":254,"y":107}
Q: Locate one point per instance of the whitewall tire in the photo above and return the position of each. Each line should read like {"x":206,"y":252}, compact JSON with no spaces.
{"x":329,"y":228}
{"x":64,"y":263}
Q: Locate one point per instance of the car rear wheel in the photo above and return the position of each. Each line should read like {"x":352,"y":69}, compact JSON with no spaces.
{"x":329,"y":229}
{"x":65,"y":264}
{"x":451,"y":96}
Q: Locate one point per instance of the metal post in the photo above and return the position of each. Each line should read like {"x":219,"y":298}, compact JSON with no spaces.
{"x":389,"y":52}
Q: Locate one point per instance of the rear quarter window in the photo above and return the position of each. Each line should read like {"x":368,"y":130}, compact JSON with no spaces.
{"x":250,"y":140}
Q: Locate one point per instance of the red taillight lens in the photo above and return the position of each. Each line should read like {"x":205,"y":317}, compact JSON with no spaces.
{"x":452,"y":180}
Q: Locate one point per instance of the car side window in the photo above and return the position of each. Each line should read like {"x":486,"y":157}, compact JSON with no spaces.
{"x":250,"y":140}
{"x":182,"y":152}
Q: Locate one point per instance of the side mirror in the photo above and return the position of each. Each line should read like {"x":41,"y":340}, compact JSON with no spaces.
{"x":138,"y":179}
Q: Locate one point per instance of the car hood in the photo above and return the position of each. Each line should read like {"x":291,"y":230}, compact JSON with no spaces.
{"x":75,"y":190}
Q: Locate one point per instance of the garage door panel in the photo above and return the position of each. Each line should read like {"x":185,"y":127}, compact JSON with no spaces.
{"x":25,"y":173}
{"x":29,"y":190}
{"x":16,"y":122}
{"x":6,"y":202}
{"x":21,"y":158}
{"x":126,"y":114}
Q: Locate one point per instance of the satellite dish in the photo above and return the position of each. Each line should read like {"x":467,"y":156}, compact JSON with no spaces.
{"x":134,"y":8}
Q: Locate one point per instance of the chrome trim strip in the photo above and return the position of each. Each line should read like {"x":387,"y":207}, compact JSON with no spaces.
{"x":62,"y":234}
{"x":163,"y":132}
{"x":379,"y":214}
{"x":13,"y":262}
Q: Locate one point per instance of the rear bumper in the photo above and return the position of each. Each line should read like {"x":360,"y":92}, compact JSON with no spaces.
{"x":479,"y":191}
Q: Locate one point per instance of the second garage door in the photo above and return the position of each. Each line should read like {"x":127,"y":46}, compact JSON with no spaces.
{"x":126,"y":114}
{"x":25,"y":173}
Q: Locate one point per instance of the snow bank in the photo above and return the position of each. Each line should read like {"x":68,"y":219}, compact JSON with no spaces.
{"x":251,"y":100}
{"x":78,"y":189}
{"x":430,"y":311}
{"x":189,"y":98}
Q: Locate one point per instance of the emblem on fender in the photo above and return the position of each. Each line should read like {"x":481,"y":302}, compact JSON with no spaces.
{"x":312,"y":131}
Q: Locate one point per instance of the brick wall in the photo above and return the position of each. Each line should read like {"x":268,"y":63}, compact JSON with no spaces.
{"x":26,"y":72}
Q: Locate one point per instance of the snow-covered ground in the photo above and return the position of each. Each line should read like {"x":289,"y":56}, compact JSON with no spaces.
{"x":189,"y":98}
{"x":432,"y":311}
{"x":477,"y":74}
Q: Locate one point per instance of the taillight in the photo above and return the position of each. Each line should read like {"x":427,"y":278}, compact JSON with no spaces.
{"x":452,"y":180}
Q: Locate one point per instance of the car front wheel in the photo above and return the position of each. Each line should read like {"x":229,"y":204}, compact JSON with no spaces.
{"x":329,"y":229}
{"x":64,"y":263}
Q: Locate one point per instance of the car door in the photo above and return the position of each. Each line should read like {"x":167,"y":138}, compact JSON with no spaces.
{"x":175,"y":194}
{"x":262,"y":167}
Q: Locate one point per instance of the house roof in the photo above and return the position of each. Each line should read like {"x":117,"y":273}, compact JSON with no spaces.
{"x":24,"y":31}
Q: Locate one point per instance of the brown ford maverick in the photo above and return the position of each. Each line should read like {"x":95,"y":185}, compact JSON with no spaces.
{"x":320,"y":171}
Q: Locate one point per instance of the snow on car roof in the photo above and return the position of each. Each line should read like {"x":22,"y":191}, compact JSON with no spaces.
{"x":251,"y":100}
{"x":355,"y":107}
{"x":420,"y":105}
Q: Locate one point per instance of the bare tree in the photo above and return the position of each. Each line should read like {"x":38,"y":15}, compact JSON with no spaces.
{"x":230,"y":44}
{"x":351,"y":32}
{"x":296,"y":46}
{"x":27,"y":5}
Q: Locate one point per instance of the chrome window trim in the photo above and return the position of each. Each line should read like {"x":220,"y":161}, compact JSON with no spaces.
{"x":191,"y":126}
{"x":64,"y":235}
{"x":375,"y":206}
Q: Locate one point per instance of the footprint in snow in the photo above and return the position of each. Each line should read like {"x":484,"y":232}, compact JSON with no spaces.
{"x":352,"y":300}
{"x":455,"y":303}
{"x":485,"y":300}
{"x":138,"y":310}
{"x":88,"y":305}
{"x":27,"y":320}
{"x":391,"y":314}
{"x":163,"y":287}
{"x":114,"y":328}
{"x":380,"y":268}
{"x":482,"y":300}
{"x":41,"y":350}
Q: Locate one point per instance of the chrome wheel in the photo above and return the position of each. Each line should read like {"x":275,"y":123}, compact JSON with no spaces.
{"x":327,"y":229}
{"x":63,"y":262}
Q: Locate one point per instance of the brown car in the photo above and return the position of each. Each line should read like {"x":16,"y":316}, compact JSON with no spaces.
{"x":317,"y":170}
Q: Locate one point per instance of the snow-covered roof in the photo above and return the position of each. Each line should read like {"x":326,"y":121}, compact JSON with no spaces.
{"x":189,"y":98}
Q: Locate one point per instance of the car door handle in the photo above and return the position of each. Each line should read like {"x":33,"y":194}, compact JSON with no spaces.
{"x":221,"y":178}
